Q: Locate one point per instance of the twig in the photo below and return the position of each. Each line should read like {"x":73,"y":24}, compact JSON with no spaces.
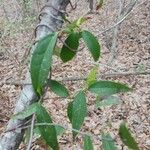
{"x":107,"y":75}
{"x":73,"y":7}
{"x":119,"y":22}
{"x":78,"y":78}
{"x":66,"y":128}
{"x":109,"y":67}
{"x":115,"y":33}
{"x":31,"y":132}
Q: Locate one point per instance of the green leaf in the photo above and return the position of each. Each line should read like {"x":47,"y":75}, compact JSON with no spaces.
{"x":70,"y":27}
{"x":108,"y":142}
{"x":37,"y":132}
{"x":70,"y":111}
{"x":42,"y":61}
{"x":77,"y":111}
{"x":59,"y":130}
{"x":91,"y":78}
{"x":75,"y":24}
{"x":58,"y":88}
{"x":81,"y":20}
{"x":92,"y":44}
{"x":47,"y":132}
{"x":31,"y":109}
{"x":26,"y":137}
{"x":127,"y":138}
{"x":70,"y":46}
{"x":109,"y":101}
{"x":107,"y":88}
{"x":88,"y":143}
{"x":57,"y":51}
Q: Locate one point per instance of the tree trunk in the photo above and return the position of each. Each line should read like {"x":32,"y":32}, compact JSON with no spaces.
{"x":50,"y":21}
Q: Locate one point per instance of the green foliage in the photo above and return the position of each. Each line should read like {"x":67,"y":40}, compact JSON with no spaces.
{"x":41,"y":64}
{"x":109,"y":101}
{"x":91,"y":78}
{"x":107,"y":88}
{"x":42,"y":61}
{"x":59,"y":130}
{"x":58,"y":88}
{"x":108,"y":142}
{"x":47,"y":132}
{"x":27,"y":112}
{"x":70,"y":47}
{"x":127,"y":138}
{"x":74,"y":25}
{"x":77,"y":111}
{"x":81,"y":20}
{"x":92,"y":44}
{"x":88,"y":143}
{"x":57,"y":51}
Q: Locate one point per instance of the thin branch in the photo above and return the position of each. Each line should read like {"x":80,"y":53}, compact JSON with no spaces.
{"x":78,"y":78}
{"x":31,"y":132}
{"x":119,"y":22}
{"x":110,"y":75}
{"x":66,"y":128}
{"x":113,"y":49}
{"x":109,"y":67}
{"x":73,"y":7}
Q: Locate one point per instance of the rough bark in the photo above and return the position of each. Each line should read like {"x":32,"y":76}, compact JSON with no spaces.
{"x":50,"y":20}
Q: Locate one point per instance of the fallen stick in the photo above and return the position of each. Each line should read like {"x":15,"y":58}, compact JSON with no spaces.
{"x":78,"y":78}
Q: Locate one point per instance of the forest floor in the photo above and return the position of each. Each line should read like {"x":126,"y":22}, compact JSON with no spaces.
{"x":132,"y":55}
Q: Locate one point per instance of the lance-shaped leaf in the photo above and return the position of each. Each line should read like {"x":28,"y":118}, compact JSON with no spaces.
{"x":70,"y":46}
{"x":59,"y":130}
{"x":58,"y":88}
{"x":92,"y":44}
{"x":81,"y":20}
{"x":75,"y":24}
{"x":47,"y":132}
{"x":91,"y":78}
{"x":88,"y":143}
{"x":70,"y":111}
{"x":77,"y":111}
{"x":108,"y":143}
{"x":42,"y":61}
{"x":109,"y":101}
{"x":27,"y":112}
{"x":127,"y":138}
{"x":107,"y":88}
